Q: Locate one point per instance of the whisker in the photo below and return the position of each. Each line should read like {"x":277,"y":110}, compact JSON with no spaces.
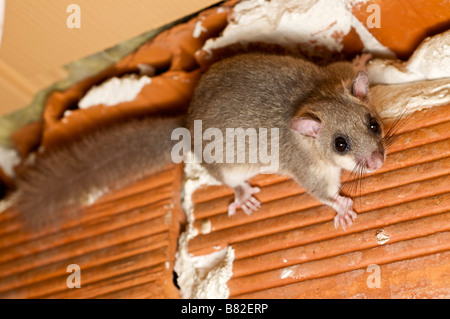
{"x":361,"y":180}
{"x":396,"y":128}
{"x":361,"y":166}
{"x":358,"y":179}
{"x":387,"y":141}
{"x":348,"y":182}
{"x":400,"y":117}
{"x":399,"y":126}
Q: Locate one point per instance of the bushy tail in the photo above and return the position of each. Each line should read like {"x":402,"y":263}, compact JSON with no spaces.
{"x":61,"y":182}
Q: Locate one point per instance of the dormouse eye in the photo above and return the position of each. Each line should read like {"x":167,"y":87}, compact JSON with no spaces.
{"x":340,"y":144}
{"x":374,"y":126}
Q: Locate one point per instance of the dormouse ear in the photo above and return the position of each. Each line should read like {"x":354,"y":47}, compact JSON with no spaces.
{"x":306,"y":125}
{"x":360,"y":86}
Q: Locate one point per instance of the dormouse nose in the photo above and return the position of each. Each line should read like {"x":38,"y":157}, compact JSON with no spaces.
{"x":375,"y":161}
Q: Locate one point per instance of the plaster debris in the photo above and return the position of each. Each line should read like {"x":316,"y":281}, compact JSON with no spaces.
{"x":221,"y":9}
{"x":198,"y":29}
{"x":67,"y":113}
{"x":203,"y":276}
{"x":214,"y":270}
{"x":430,"y":61}
{"x":292,"y":22}
{"x":195,"y":177}
{"x":392,"y":100}
{"x":200,"y":276}
{"x":206,"y":226}
{"x":9,"y":158}
{"x":286,"y":273}
{"x":382,"y":237}
{"x":356,"y":3}
{"x":115,"y":91}
{"x":421,"y":82}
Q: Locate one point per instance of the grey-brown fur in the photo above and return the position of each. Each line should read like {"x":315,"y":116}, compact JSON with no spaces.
{"x":262,"y":90}
{"x":252,"y":91}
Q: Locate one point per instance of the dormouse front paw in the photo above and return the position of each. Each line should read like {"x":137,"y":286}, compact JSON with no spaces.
{"x":345,"y":214}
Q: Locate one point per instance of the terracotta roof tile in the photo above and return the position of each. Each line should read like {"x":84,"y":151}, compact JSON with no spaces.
{"x":420,"y":277}
{"x":124,"y":244}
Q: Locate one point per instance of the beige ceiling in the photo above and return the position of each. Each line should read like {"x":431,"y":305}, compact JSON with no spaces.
{"x":37,"y":42}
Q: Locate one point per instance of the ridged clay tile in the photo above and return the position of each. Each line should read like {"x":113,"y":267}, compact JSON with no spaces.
{"x":124,"y":242}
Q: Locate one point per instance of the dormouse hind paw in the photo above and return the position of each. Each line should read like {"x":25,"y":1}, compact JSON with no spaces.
{"x":244,"y":200}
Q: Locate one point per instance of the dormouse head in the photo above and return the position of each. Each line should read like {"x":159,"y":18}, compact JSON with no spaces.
{"x":343,"y":126}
